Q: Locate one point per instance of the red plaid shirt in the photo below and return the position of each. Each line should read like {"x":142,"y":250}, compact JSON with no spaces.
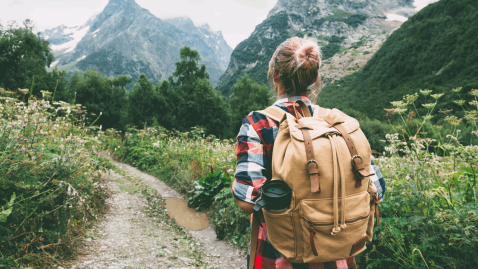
{"x":254,"y":165}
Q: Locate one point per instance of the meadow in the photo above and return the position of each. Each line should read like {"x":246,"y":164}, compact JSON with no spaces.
{"x":52,"y":189}
{"x":429,"y":215}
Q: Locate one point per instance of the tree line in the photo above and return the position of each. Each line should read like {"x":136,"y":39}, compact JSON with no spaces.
{"x":186,"y":99}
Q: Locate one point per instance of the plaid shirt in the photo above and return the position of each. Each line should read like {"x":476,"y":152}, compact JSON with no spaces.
{"x":254,"y":165}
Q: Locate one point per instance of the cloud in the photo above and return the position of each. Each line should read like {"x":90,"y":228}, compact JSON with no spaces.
{"x":12,"y":3}
{"x":261,"y":4}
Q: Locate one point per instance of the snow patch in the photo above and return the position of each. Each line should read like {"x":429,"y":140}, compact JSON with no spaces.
{"x":71,"y":45}
{"x":395,"y":17}
{"x":206,"y":36}
{"x":97,"y":30}
{"x":419,"y":4}
{"x":54,"y":63}
{"x":81,"y":58}
{"x":55,"y":31}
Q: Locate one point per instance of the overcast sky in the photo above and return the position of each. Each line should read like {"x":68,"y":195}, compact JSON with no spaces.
{"x":235,"y":18}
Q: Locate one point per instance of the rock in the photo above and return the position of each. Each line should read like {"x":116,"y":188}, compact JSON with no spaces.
{"x":185,"y":259}
{"x":335,"y":25}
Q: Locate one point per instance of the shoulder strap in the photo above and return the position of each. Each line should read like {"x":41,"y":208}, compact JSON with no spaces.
{"x":274,"y":113}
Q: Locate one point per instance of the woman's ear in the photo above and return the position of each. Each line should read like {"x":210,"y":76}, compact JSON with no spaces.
{"x":275,"y":75}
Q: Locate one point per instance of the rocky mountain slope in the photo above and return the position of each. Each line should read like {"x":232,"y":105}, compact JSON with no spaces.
{"x":436,"y":49}
{"x":127,"y":39}
{"x":348,"y":28}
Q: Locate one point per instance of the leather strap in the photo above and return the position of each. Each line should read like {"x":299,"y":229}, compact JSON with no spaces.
{"x":254,"y":236}
{"x":312,"y":242}
{"x":303,"y":107}
{"x":312,"y":165}
{"x":357,"y":162}
{"x":377,"y":213}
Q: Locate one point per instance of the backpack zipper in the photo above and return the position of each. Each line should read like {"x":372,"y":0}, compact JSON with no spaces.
{"x":311,"y":237}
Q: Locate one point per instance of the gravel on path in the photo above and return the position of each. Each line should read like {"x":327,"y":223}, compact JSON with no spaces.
{"x":135,"y":231}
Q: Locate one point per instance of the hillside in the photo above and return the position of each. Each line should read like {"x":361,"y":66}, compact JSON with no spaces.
{"x":436,"y":49}
{"x":125,"y":39}
{"x":337,"y":26}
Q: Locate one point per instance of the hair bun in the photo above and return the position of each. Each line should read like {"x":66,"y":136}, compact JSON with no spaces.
{"x":308,"y":55}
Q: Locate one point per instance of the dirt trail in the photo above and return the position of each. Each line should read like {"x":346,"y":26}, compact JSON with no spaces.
{"x":130,"y":236}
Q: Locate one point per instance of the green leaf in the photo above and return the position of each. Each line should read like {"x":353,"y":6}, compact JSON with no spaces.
{"x":6,"y":212}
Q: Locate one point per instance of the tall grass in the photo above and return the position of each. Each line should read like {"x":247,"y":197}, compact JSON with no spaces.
{"x":50,"y":185}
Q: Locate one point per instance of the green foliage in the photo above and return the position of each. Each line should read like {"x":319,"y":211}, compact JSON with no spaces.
{"x":49,"y":174}
{"x":230,"y":222}
{"x":429,"y":216}
{"x":333,"y":47}
{"x":143,"y":102}
{"x":340,"y":15}
{"x":207,"y":187}
{"x":435,"y":49}
{"x":23,"y":55}
{"x":187,"y":99}
{"x":97,"y":93}
{"x":248,"y":96}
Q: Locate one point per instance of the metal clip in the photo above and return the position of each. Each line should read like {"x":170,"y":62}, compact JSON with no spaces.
{"x":311,"y":161}
{"x":353,"y":161}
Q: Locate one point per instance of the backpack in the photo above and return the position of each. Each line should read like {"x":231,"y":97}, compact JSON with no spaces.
{"x":322,"y":158}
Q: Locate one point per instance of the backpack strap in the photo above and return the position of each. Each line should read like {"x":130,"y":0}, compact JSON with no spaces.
{"x":273,"y":112}
{"x":254,"y":236}
{"x":357,"y":163}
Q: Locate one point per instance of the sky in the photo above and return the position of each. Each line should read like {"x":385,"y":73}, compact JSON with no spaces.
{"x":236,"y":19}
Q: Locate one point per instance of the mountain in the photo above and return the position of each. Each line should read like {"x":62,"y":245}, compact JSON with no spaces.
{"x":436,"y":49}
{"x":214,"y":39}
{"x":127,"y":39}
{"x":339,"y":26}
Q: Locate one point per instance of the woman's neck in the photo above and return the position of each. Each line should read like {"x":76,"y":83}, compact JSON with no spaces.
{"x":279,"y":88}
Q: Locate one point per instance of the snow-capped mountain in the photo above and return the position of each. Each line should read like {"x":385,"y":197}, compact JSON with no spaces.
{"x":127,"y":39}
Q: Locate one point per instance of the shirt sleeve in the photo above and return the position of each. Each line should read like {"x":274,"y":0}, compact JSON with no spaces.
{"x":251,"y":162}
{"x":378,"y":180}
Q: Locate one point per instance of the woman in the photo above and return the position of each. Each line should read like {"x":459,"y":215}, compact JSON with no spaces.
{"x":294,"y":75}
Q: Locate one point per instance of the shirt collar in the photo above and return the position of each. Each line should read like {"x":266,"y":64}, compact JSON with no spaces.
{"x":285,"y":99}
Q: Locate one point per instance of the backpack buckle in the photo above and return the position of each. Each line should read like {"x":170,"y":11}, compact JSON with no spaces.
{"x":354,"y":165}
{"x":311,"y":161}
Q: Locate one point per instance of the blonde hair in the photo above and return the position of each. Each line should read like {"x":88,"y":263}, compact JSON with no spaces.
{"x":297,"y":62}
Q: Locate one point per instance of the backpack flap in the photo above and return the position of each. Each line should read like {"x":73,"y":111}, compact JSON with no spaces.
{"x":320,"y":127}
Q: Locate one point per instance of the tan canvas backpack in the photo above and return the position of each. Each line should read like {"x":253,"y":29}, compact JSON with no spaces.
{"x":325,"y":160}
